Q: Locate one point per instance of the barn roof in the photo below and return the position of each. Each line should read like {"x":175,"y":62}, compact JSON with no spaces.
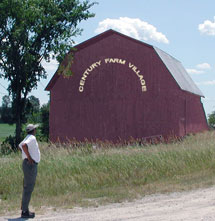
{"x":174,"y":66}
{"x":179,"y":73}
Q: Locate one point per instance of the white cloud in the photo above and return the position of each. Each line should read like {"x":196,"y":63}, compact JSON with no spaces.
{"x":212,"y":82}
{"x":133,"y":27}
{"x":50,"y":66}
{"x":208,"y":27}
{"x":194,"y":71}
{"x":203,"y":66}
{"x":200,"y":69}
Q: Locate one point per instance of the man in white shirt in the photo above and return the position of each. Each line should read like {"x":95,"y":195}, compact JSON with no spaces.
{"x":31,"y":158}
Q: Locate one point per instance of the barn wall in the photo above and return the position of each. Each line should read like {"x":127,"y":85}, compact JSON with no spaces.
{"x":195,"y":115}
{"x":113,"y":105}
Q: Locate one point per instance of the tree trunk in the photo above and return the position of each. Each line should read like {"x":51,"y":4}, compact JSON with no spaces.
{"x":18,"y":120}
{"x":18,"y":131}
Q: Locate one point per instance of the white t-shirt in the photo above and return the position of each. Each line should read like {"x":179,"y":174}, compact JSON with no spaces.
{"x":33,"y":148}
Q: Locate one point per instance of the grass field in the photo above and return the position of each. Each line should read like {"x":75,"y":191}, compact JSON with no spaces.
{"x":6,"y":130}
{"x":86,"y":176}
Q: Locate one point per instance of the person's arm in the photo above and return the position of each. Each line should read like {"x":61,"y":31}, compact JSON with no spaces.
{"x":25,"y":149}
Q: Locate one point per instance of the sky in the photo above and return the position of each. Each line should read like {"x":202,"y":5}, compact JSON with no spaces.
{"x":185,"y":29}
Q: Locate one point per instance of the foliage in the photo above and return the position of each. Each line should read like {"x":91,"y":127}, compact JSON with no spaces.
{"x":33,"y":109}
{"x":30,"y":31}
{"x":211,"y":119}
{"x":8,"y":146}
{"x":6,"y":110}
{"x":35,"y":115}
{"x":45,"y":121}
{"x":41,"y":117}
{"x":6,"y":102}
{"x":34,"y":104}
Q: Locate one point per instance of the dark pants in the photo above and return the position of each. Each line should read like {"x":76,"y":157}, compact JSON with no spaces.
{"x":30,"y":174}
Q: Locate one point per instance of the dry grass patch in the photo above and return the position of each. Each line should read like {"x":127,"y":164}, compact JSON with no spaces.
{"x":85,"y":176}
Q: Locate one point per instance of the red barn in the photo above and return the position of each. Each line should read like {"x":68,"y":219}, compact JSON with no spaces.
{"x":122,"y":88}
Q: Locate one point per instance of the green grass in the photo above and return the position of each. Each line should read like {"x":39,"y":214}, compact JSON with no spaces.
{"x":6,"y":130}
{"x":69,"y":177}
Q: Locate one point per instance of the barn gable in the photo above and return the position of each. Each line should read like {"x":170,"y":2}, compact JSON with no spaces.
{"x":123,"y":88}
{"x":89,"y":42}
{"x":174,"y":66}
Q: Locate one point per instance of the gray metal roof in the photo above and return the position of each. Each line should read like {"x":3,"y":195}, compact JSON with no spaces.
{"x":179,"y":73}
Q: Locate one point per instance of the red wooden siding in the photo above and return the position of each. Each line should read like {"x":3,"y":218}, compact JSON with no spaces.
{"x":112,"y":105}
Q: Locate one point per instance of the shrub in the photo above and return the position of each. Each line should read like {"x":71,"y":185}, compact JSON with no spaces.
{"x":8,"y":146}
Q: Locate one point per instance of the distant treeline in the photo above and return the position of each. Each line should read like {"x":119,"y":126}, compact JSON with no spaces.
{"x":34,"y":113}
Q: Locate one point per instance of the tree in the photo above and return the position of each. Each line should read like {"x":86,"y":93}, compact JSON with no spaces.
{"x":32,"y":113}
{"x":32,"y":31}
{"x":211,"y":119}
{"x":45,"y":121}
{"x":34,"y":103}
{"x":6,"y":110}
{"x":6,"y":102}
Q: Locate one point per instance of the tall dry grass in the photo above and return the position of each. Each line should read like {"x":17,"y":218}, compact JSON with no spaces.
{"x":86,"y":175}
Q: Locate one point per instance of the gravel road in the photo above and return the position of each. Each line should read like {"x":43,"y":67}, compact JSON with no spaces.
{"x":184,"y":206}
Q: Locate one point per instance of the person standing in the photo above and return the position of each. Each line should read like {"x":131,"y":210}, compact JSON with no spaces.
{"x":31,"y":158}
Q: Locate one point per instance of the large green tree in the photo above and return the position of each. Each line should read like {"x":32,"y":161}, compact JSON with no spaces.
{"x":32,"y":31}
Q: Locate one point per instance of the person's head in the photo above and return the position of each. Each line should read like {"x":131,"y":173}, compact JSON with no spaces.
{"x":31,"y":128}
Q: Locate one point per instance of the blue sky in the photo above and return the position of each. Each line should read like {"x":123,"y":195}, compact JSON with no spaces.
{"x":184,"y":29}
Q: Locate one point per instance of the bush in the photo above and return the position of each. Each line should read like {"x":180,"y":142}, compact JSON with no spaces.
{"x":8,"y":146}
{"x":41,"y":117}
{"x":45,"y":121}
{"x":211,"y":120}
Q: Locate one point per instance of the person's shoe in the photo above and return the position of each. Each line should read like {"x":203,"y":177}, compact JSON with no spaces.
{"x":27,"y":214}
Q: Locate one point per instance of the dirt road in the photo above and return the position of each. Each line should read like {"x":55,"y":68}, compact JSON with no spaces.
{"x":198,"y":205}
